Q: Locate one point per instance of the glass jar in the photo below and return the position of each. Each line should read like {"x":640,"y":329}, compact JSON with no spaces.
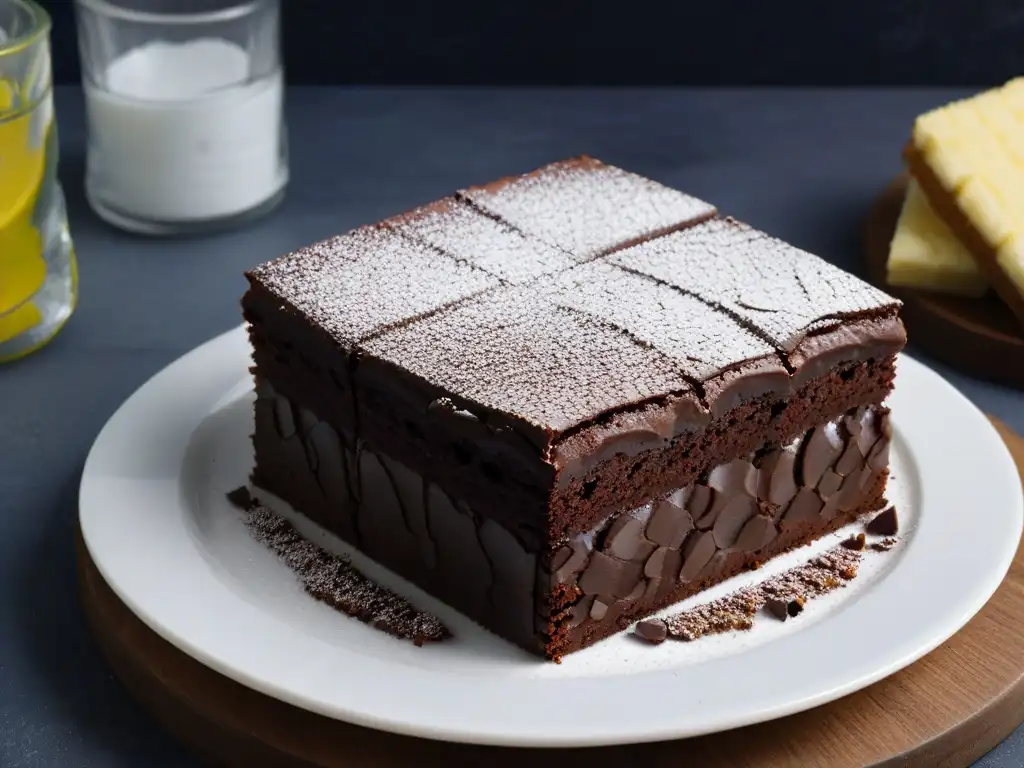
{"x":38,"y":275}
{"x":185,"y":111}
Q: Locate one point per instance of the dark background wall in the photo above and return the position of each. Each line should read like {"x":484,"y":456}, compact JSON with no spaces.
{"x":825,"y":42}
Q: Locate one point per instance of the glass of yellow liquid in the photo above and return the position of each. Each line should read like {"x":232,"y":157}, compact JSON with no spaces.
{"x":38,"y":276}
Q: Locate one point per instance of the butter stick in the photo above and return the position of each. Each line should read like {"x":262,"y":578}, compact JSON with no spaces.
{"x":968,"y":158}
{"x":926,"y":255}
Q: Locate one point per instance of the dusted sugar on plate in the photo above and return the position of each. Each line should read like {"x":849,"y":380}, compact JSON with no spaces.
{"x":563,"y":401}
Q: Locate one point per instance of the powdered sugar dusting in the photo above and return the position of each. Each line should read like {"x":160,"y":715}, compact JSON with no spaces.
{"x":702,"y":340}
{"x":779,"y":290}
{"x":515,"y":352}
{"x":586,"y":207}
{"x":355,"y":284}
{"x":463,"y":232}
{"x":332,"y":580}
{"x":736,"y":611}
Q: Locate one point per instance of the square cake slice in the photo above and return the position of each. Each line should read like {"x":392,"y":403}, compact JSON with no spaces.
{"x":558,"y":440}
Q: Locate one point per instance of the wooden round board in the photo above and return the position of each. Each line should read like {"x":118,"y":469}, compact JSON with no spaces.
{"x":980,"y":337}
{"x":948,"y":709}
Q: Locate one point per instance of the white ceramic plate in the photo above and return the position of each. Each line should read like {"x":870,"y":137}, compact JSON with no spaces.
{"x":161,"y":532}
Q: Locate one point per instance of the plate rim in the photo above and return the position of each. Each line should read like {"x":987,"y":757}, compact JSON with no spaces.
{"x":554,"y":736}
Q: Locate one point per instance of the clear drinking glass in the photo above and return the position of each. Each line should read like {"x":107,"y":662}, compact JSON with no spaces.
{"x":185,"y":111}
{"x":38,"y":276}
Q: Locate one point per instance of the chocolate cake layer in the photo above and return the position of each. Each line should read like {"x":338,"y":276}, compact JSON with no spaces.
{"x":557,"y":600}
{"x":551,"y":351}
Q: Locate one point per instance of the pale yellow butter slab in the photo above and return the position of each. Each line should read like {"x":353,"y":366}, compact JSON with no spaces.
{"x":926,"y":255}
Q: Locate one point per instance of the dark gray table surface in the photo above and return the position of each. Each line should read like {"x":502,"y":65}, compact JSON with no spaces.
{"x":803,"y":165}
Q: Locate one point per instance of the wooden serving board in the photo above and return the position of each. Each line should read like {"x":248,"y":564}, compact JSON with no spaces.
{"x":945,"y":711}
{"x":980,"y":337}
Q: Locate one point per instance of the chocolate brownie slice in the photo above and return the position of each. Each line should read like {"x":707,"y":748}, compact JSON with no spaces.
{"x":558,"y":425}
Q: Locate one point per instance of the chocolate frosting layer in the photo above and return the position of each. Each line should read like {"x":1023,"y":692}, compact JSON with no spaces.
{"x":781,"y":293}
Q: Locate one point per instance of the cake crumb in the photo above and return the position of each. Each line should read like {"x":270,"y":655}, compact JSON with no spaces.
{"x":885,"y":544}
{"x":856,"y":543}
{"x":784,"y":594}
{"x":778,"y":608}
{"x":795,"y":606}
{"x":885,"y":523}
{"x":333,"y":580}
{"x":241,"y":498}
{"x":653,"y":631}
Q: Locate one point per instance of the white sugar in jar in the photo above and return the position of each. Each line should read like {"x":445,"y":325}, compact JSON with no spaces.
{"x":185,"y":134}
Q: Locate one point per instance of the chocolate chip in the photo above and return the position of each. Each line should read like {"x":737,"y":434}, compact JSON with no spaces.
{"x":654,"y":631}
{"x":716,"y":566}
{"x":805,"y":507}
{"x":829,"y":483}
{"x":625,"y":539}
{"x":719,"y":501}
{"x":699,"y":501}
{"x":307,"y":420}
{"x":284,"y":417}
{"x":572,"y":565}
{"x":606,"y":575}
{"x":851,"y":460}
{"x":879,"y":458}
{"x":332,"y":463}
{"x":758,"y":532}
{"x":241,"y":498}
{"x":856,"y":543}
{"x":795,"y":607}
{"x":598,"y":610}
{"x":699,"y":549}
{"x":738,"y":476}
{"x":731,"y":520}
{"x":822,"y":449}
{"x":851,"y":494}
{"x":655,"y":563}
{"x":886,"y":523}
{"x":777,"y":483}
{"x":778,"y":608}
{"x":828,"y":511}
{"x":668,"y":525}
{"x":869,"y":433}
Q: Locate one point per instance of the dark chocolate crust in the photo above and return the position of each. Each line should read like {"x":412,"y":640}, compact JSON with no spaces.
{"x":553,"y":600}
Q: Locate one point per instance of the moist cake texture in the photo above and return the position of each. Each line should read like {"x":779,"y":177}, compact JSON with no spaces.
{"x":562,"y":401}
